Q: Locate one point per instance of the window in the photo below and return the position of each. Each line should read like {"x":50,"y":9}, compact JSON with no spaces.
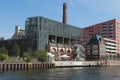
{"x":30,"y":19}
{"x":88,"y":52}
{"x":88,"y":46}
{"x":110,"y":24}
{"x":111,"y":29}
{"x":36,"y":20}
{"x":95,"y":46}
{"x":110,"y":32}
{"x":110,"y":36}
{"x":118,"y":24}
{"x":40,"y":27}
{"x":95,"y":52}
{"x":104,"y":27}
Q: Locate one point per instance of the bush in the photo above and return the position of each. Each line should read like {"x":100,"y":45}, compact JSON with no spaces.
{"x":28,"y":59}
{"x":27,"y":56}
{"x":3,"y":57}
{"x":42,"y":56}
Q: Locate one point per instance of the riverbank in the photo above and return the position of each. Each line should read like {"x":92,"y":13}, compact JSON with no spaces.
{"x":25,"y":66}
{"x":114,"y":62}
{"x":78,"y":63}
{"x":86,"y":63}
{"x":56,"y":64}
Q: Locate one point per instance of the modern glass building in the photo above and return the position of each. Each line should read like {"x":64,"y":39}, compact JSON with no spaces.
{"x":43,"y":31}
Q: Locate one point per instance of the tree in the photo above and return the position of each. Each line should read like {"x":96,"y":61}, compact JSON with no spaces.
{"x":16,"y":50}
{"x":3,"y":50}
{"x":42,"y":56}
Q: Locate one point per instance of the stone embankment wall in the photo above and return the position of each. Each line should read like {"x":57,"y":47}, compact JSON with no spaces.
{"x":25,"y":66}
{"x":114,"y":62}
{"x":79,"y":63}
{"x":104,"y":63}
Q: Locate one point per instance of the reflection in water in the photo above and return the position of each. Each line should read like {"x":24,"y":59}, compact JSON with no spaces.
{"x":76,"y":73}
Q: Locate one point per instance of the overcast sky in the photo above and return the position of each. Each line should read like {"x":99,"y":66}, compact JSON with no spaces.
{"x":80,"y":13}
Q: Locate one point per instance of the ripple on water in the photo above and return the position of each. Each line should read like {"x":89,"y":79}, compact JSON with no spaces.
{"x":76,"y":73}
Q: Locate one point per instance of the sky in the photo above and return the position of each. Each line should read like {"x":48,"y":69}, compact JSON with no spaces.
{"x":80,"y":13}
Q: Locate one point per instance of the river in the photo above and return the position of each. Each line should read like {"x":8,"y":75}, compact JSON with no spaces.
{"x":76,"y":73}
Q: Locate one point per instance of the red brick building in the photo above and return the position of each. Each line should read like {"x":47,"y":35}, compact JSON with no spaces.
{"x":95,"y":48}
{"x":108,"y":29}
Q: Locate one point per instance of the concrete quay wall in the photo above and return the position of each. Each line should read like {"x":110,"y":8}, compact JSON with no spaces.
{"x":114,"y":62}
{"x":53,"y":64}
{"x":87,"y":63}
{"x":78,"y":63}
{"x":25,"y":66}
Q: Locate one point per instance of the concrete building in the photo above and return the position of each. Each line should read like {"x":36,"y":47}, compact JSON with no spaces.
{"x":43,"y":30}
{"x":108,"y":29}
{"x":19,"y":33}
{"x":46,"y":32}
{"x":110,"y":45}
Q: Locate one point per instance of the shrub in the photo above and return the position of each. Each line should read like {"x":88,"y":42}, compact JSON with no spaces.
{"x":27,"y":56}
{"x":42,"y":56}
{"x":3,"y":57}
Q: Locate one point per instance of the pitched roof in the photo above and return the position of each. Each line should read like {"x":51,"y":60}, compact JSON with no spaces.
{"x":95,"y":39}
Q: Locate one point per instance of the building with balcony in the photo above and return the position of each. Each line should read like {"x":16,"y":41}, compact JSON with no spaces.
{"x":110,"y":30}
{"x":110,"y":46}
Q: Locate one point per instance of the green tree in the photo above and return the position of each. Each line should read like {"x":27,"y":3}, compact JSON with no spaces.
{"x":42,"y":56}
{"x":3,"y":57}
{"x":27,"y":56}
{"x":3,"y":50}
{"x":16,"y":50}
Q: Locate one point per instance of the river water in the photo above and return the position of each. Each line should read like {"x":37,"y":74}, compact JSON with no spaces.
{"x":76,"y":73}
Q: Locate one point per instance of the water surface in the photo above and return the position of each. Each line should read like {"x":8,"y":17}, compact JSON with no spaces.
{"x":76,"y":73}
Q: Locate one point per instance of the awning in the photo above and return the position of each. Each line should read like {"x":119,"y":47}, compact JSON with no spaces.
{"x":65,"y":56}
{"x":50,"y":54}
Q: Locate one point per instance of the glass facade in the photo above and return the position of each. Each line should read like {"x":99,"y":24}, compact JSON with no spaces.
{"x":40,"y":28}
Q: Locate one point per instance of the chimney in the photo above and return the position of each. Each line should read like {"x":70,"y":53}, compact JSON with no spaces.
{"x":64,"y":13}
{"x":17,"y":29}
